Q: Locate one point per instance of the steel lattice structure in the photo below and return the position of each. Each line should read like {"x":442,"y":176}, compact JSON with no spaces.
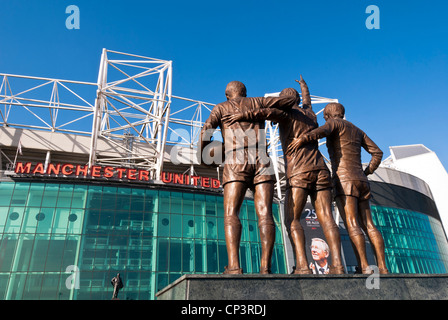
{"x":130,"y":104}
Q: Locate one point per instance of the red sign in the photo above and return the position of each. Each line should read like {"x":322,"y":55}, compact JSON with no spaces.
{"x":78,"y":170}
{"x":179,"y":178}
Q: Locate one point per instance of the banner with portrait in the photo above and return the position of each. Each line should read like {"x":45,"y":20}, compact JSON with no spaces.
{"x":317,"y":250}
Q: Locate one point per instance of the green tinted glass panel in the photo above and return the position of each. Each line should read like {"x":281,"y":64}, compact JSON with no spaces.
{"x":187,"y":226}
{"x":3,"y":217}
{"x":176,"y":225}
{"x":411,"y":244}
{"x":163,"y":228}
{"x":6,"y":190}
{"x":199,"y":204}
{"x":31,"y":216}
{"x":151,"y":198}
{"x":251,"y":214}
{"x":164,"y":201}
{"x":108,"y":198}
{"x":188,"y":203}
{"x":151,"y":236}
{"x":137,"y":200}
{"x":94,"y":197}
{"x":36,"y":194}
{"x":8,"y":249}
{"x":65,"y":196}
{"x":14,"y":219}
{"x":61,"y":220}
{"x":79,"y":196}
{"x":20,"y":194}
{"x":50,"y":196}
{"x":211,"y":227}
{"x":176,"y":202}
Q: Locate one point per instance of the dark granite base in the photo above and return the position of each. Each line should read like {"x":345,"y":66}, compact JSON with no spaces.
{"x":308,"y":287}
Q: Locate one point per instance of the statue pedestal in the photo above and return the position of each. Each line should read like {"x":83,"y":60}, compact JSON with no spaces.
{"x":307,"y":287}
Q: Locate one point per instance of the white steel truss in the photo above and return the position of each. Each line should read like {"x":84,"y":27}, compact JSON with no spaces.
{"x":131,"y":103}
{"x":36,"y":103}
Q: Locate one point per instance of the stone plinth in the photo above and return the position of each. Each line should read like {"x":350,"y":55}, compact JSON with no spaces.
{"x":307,"y":287}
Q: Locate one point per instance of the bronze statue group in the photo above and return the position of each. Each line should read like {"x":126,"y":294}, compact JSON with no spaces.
{"x":306,"y":175}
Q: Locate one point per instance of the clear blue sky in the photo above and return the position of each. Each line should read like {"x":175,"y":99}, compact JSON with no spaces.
{"x":392,"y":81}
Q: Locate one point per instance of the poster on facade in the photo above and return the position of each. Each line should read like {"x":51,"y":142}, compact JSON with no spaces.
{"x":317,"y":250}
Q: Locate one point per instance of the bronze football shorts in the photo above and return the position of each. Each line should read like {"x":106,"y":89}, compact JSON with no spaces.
{"x":315,"y":180}
{"x":250,"y":173}
{"x":354,"y":188}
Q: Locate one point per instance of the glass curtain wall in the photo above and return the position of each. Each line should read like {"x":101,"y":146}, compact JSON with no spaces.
{"x":414,"y":242}
{"x":67,"y":241}
{"x":40,"y":227}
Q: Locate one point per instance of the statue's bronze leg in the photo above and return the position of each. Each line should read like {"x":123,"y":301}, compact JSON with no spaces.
{"x":233,"y":198}
{"x":263,"y":197}
{"x":297,"y":203}
{"x":376,"y":239}
{"x":289,"y":217}
{"x":322,"y":205}
{"x":344,"y":219}
{"x":349,"y":205}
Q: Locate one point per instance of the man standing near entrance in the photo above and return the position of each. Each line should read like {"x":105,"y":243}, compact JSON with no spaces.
{"x":246,"y":166}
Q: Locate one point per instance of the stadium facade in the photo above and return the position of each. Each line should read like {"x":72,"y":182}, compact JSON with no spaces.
{"x":94,"y":190}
